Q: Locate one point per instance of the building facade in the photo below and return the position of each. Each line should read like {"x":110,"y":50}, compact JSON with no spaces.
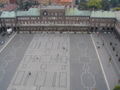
{"x":60,"y":18}
{"x":8,"y":19}
{"x":102,"y":20}
{"x":58,"y":2}
{"x":117,"y":25}
{"x":12,"y":1}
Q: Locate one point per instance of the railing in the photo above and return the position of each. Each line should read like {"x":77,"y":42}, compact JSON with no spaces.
{"x":82,"y":25}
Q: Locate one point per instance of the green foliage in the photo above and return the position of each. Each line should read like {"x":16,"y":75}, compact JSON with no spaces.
{"x":117,"y":87}
{"x":76,"y":2}
{"x":116,"y":9}
{"x":96,"y":4}
{"x":105,"y":5}
{"x":27,"y":4}
{"x":114,"y":3}
{"x":1,"y":5}
{"x":83,"y":5}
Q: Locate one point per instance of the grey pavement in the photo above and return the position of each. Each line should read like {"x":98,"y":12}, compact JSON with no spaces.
{"x":45,"y":64}
{"x":85,"y":70}
{"x":5,"y":38}
{"x":11,"y":57}
{"x":115,"y":43}
{"x":105,"y":52}
{"x":51,"y":62}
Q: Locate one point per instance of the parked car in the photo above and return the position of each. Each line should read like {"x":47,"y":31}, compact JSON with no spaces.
{"x":2,"y":42}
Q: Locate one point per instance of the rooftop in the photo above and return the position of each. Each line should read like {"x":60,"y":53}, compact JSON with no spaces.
{"x":69,"y":11}
{"x":9,"y":7}
{"x":117,"y":14}
{"x":103,"y":14}
{"x":30,"y":12}
{"x":76,"y":12}
{"x":53,"y":7}
{"x":8,"y":14}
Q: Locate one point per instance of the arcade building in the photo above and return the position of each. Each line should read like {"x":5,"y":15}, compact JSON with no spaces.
{"x":59,"y":18}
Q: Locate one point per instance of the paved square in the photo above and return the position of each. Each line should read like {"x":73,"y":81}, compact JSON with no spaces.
{"x":57,"y":62}
{"x":45,"y":64}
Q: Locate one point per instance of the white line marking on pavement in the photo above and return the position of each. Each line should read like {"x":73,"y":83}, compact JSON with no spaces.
{"x":110,"y":53}
{"x":100,"y":63}
{"x":7,"y":42}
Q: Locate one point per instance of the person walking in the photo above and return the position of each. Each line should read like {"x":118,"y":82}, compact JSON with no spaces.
{"x":110,"y":59}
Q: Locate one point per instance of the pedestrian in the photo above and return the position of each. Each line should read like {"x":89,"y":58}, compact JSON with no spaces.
{"x":119,"y":59}
{"x":110,"y":43}
{"x":110,"y":59}
{"x":117,"y":55}
{"x":103,"y":44}
{"x":98,"y":47}
{"x":29,"y":73}
{"x":113,"y":48}
{"x":63,"y":48}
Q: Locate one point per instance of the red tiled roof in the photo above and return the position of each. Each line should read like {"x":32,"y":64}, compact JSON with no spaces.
{"x":9,"y":7}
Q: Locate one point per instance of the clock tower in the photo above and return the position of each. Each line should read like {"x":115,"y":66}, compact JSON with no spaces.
{"x":52,"y":11}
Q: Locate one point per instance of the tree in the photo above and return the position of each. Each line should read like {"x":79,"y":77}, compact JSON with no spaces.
{"x":76,"y":2}
{"x":83,"y":0}
{"x":116,"y":9}
{"x":83,"y":5}
{"x":117,"y":87}
{"x":1,"y":5}
{"x":96,"y":4}
{"x":105,"y":5}
{"x":114,"y":3}
{"x":27,"y":4}
{"x":19,"y":2}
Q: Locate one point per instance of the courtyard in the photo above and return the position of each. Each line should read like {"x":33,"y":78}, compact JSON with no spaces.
{"x":55,"y":62}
